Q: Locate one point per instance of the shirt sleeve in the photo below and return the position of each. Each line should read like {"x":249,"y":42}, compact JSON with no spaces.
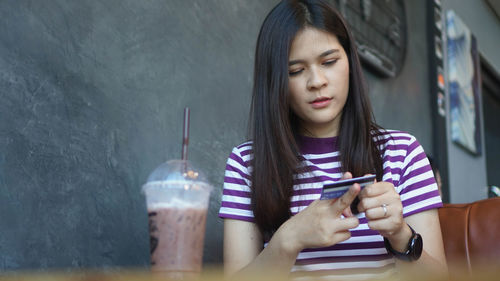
{"x":417,"y":185}
{"x":236,"y":196}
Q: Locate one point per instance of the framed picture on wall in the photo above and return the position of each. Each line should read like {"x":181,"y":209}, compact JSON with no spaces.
{"x":463,"y":84}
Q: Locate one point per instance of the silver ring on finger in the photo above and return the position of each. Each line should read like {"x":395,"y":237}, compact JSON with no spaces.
{"x":384,"y":207}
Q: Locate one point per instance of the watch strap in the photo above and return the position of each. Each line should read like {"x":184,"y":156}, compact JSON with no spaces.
{"x":413,"y":249}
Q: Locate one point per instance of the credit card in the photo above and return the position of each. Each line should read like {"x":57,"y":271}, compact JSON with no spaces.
{"x":337,"y":189}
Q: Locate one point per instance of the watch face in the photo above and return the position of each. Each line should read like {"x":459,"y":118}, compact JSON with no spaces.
{"x":416,"y":247}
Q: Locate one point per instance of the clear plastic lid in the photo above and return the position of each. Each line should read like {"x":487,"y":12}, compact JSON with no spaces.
{"x":180,"y":173}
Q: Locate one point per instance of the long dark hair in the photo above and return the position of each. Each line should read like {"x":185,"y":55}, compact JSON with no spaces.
{"x":273,"y":125}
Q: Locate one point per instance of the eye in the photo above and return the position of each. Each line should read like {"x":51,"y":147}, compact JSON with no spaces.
{"x":330,"y":62}
{"x":295,"y":72}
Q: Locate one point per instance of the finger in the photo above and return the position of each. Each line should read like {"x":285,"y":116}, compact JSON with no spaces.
{"x":385,"y":226}
{"x":345,"y":200}
{"x":347,"y":212}
{"x":346,"y":224}
{"x":378,"y":212}
{"x":368,"y":203}
{"x":379,"y":225}
{"x":374,"y":190}
{"x":346,"y":175}
{"x":389,"y":198}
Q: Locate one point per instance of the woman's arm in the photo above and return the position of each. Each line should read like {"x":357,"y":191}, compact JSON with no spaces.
{"x":427,"y":224}
{"x":318,"y":225}
{"x":243,"y":244}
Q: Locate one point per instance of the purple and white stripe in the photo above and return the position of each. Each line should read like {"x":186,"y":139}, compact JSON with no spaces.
{"x":405,"y":166}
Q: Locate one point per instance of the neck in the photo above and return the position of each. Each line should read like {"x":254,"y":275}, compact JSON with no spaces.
{"x":320,"y":130}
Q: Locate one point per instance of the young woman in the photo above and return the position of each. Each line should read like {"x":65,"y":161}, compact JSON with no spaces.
{"x":312,"y":124}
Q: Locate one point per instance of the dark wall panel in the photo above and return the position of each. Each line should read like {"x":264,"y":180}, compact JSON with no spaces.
{"x":404,"y":102}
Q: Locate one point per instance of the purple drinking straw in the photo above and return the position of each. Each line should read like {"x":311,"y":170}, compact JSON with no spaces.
{"x":185,"y":135}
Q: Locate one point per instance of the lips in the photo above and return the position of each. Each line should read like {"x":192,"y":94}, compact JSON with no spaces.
{"x":320,"y":102}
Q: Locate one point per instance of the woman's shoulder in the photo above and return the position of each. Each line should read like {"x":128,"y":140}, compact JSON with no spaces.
{"x":395,"y":141}
{"x":393,"y":136}
{"x":244,"y":150}
{"x":245,"y":145}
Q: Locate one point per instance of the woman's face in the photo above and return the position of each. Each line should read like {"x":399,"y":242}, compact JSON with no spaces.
{"x":318,"y":81}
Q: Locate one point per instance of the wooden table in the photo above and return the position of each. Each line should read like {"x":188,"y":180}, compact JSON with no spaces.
{"x":210,"y":275}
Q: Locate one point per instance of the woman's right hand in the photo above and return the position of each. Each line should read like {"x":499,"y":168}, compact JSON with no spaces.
{"x":320,"y":224}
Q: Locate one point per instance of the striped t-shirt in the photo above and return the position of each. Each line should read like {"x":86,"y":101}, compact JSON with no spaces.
{"x":405,"y":165}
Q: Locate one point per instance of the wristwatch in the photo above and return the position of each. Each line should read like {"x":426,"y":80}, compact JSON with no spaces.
{"x":414,"y":249}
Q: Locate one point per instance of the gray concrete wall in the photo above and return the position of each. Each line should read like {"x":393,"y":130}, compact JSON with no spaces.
{"x":92,"y":96}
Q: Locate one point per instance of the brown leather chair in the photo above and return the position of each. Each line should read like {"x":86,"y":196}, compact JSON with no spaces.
{"x":471,"y":234}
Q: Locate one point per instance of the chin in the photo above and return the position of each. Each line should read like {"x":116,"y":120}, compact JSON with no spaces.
{"x":325,"y":119}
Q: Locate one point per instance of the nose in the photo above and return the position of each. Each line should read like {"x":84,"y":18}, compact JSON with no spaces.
{"x":317,"y":79}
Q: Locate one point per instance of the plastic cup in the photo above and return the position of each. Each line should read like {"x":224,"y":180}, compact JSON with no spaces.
{"x":177,"y":198}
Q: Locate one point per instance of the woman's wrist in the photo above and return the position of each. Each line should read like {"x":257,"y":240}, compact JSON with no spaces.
{"x":399,"y":240}
{"x":286,"y":241}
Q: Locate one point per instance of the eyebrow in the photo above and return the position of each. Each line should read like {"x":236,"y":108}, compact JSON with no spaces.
{"x":324,"y":54}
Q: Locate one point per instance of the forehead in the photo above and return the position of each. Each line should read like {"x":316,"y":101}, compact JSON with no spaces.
{"x":310,"y":41}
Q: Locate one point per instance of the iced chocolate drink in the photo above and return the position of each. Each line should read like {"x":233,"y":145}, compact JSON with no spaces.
{"x":177,"y":202}
{"x":176,"y":237}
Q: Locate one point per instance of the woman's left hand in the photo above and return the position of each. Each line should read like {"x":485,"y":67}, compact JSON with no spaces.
{"x":384,"y":212}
